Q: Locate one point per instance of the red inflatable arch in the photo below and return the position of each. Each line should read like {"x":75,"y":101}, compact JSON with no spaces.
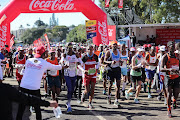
{"x":87,"y":7}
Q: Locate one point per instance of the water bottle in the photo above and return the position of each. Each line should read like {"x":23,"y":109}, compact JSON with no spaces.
{"x":57,"y":112}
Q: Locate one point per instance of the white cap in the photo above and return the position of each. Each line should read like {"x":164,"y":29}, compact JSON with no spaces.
{"x":162,"y":48}
{"x":132,"y":49}
{"x":140,"y":49}
{"x":177,"y":51}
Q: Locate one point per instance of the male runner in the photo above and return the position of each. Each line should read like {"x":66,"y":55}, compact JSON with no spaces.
{"x":112,"y":58}
{"x":170,"y":65}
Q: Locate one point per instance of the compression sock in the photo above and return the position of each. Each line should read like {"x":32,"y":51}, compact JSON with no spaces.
{"x":124,"y":86}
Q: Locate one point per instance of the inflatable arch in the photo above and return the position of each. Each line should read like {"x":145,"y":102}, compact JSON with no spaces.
{"x":87,"y":7}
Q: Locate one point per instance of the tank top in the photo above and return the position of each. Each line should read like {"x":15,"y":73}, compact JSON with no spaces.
{"x":174,"y":64}
{"x":152,"y":59}
{"x":124,"y":58}
{"x":115,"y":58}
{"x":53,"y":72}
{"x":20,"y":61}
{"x":71,"y":61}
{"x":137,"y":61}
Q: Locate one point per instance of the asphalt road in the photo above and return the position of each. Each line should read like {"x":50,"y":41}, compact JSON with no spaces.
{"x":148,"y":109}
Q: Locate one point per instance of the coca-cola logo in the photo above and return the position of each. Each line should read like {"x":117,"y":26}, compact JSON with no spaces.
{"x":102,"y":29}
{"x":51,"y":5}
{"x":3,"y":32}
{"x":110,"y":32}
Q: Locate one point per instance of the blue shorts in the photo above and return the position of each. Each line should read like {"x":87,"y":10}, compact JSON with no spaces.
{"x":53,"y":81}
{"x":124,"y":71}
{"x":150,"y":73}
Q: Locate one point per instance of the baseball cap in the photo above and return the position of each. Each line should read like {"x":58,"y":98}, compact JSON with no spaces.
{"x":145,"y":46}
{"x":132,"y":49}
{"x":162,"y":48}
{"x":39,"y":51}
{"x":149,"y":45}
{"x":140,"y":49}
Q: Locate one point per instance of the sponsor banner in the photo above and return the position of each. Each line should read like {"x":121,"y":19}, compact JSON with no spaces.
{"x":112,"y":32}
{"x":46,"y":37}
{"x":90,"y":29}
{"x":107,"y":3}
{"x":165,"y":35}
{"x":12,"y":41}
{"x":90,"y":23}
{"x":51,"y":5}
{"x":120,"y":3}
{"x":91,"y":35}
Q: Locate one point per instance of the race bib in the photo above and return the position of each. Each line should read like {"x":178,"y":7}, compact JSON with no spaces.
{"x":72,"y":65}
{"x":91,"y":71}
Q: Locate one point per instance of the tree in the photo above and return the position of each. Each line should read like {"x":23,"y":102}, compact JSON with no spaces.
{"x":78,"y":34}
{"x":32,"y":34}
{"x":152,"y":11}
{"x":60,"y":31}
{"x":39,"y":23}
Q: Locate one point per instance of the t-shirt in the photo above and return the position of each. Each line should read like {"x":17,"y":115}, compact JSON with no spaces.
{"x":71,"y":61}
{"x":34,"y":70}
{"x":54,"y":62}
{"x":91,"y":64}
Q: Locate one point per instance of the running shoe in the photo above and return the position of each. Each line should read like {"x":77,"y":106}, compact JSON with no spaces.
{"x":32,"y":109}
{"x":90,"y":106}
{"x":79,"y":101}
{"x":69,"y":110}
{"x":174,"y":105}
{"x":116,"y":103}
{"x":169,"y":114}
{"x":149,"y":95}
{"x":136,"y":100}
{"x":127,"y":95}
{"x":104,"y":92}
{"x":109,"y":100}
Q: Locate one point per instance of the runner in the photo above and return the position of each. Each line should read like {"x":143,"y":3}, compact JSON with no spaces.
{"x":79,"y":78}
{"x":151,"y":63}
{"x":70,"y":59}
{"x":112,"y":58}
{"x":136,"y":73}
{"x":124,"y":57}
{"x":20,"y":61}
{"x":170,"y":64}
{"x":53,"y":77}
{"x":31,"y":81}
{"x":90,"y":68}
{"x":162,"y":75}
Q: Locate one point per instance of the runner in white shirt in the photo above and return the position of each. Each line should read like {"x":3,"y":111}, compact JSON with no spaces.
{"x":31,"y":81}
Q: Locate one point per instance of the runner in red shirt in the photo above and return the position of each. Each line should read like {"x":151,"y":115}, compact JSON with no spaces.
{"x":20,"y":61}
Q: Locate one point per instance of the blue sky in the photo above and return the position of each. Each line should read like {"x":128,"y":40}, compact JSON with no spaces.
{"x":30,"y":18}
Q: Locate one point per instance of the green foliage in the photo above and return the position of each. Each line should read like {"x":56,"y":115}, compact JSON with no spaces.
{"x":78,"y":34}
{"x":152,"y":11}
{"x":32,"y":34}
{"x":39,"y":23}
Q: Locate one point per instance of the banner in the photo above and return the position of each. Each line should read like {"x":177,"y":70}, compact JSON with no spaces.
{"x":91,"y":29}
{"x":107,"y":3}
{"x":12,"y":41}
{"x":46,"y":37}
{"x":165,"y":35}
{"x":15,"y":7}
{"x":112,"y":32}
{"x":120,"y":3}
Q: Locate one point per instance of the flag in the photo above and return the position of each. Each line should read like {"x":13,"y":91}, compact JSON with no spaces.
{"x":120,"y":3}
{"x":12,"y":41}
{"x":46,"y":37}
{"x":107,"y":3}
{"x":3,"y":18}
{"x":112,"y":32}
